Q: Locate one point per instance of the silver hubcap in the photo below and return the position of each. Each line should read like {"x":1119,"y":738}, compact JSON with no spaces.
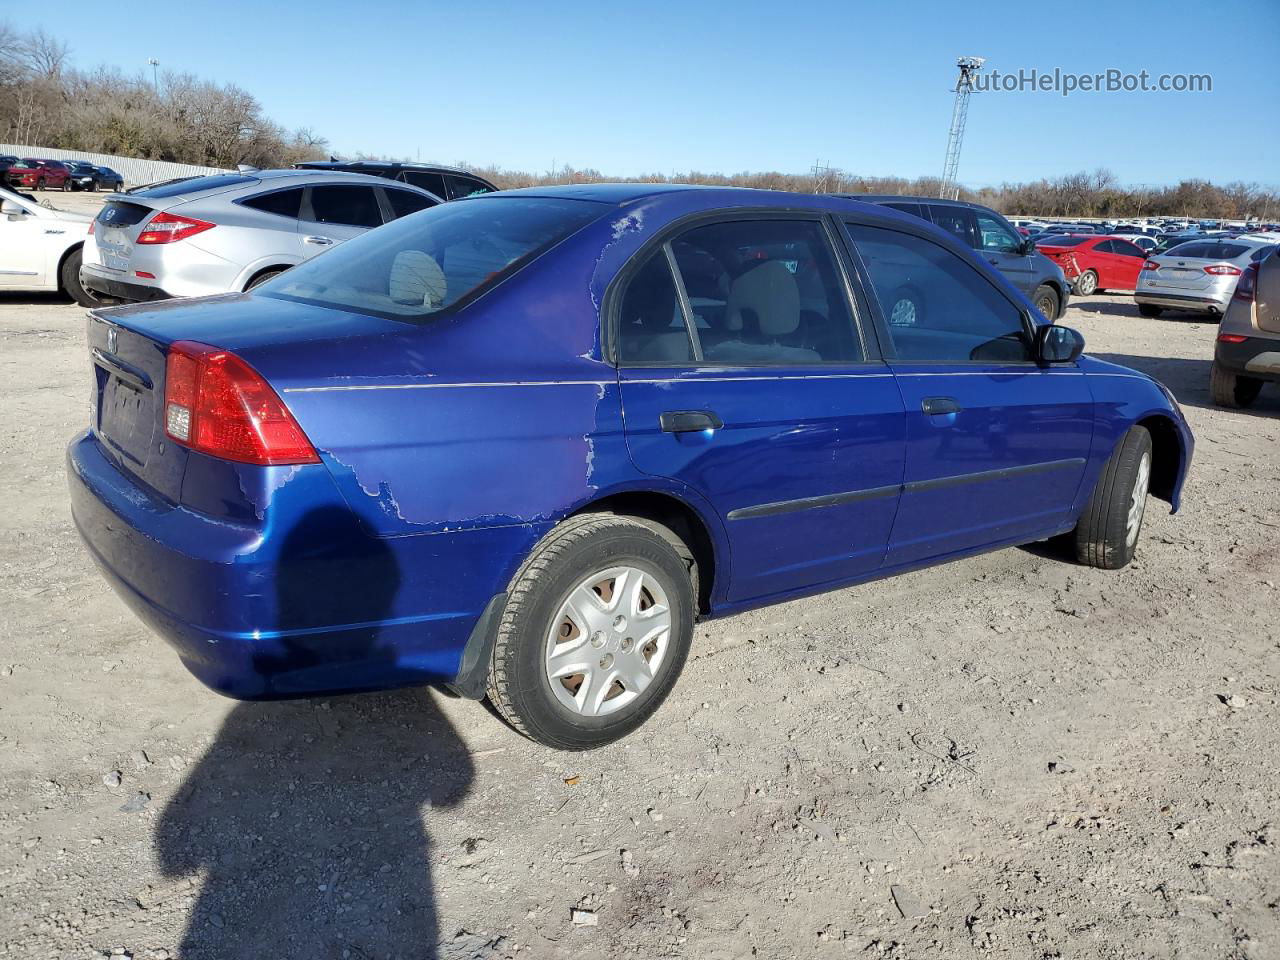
{"x":608,"y":641}
{"x":1087,"y":283}
{"x":1138,"y":502}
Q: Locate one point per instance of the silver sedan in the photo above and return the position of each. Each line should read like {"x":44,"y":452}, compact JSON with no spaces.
{"x":1198,"y":276}
{"x":229,"y":232}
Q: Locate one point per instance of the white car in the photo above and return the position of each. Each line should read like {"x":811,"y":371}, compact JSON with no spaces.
{"x":40,"y":248}
{"x":1138,"y":240}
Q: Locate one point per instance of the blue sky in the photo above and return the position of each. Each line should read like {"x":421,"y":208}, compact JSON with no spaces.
{"x":668,"y":86}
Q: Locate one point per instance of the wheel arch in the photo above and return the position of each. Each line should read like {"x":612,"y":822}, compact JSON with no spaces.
{"x":678,"y":518}
{"x":1166,"y":456}
{"x":270,"y":268}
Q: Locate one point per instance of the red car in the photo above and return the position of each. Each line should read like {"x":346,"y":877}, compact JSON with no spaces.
{"x":1095,"y":263}
{"x":40,"y":174}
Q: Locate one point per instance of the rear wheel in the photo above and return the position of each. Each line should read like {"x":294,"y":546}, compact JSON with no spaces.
{"x":1232,"y":390}
{"x":262,"y":278}
{"x":1149,"y":310}
{"x":1107,"y":534}
{"x":1087,"y":284}
{"x":70,"y":282}
{"x":40,"y":184}
{"x":596,"y":629}
{"x":67,"y":185}
{"x":1046,"y":301}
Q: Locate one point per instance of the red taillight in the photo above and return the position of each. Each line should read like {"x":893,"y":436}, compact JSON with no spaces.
{"x":1150,"y":265}
{"x":1223,"y":270}
{"x":1231,"y":338}
{"x":167,"y":228}
{"x":92,"y":223}
{"x":1247,"y":285}
{"x":216,"y":403}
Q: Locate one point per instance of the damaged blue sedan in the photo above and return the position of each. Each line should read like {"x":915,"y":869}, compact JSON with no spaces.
{"x":518,"y":444}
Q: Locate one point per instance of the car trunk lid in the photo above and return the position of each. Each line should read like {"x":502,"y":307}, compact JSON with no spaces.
{"x":116,"y":230}
{"x":1179,"y":273}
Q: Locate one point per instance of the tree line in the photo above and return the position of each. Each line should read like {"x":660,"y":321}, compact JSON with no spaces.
{"x":180,"y":118}
{"x":172,"y":116}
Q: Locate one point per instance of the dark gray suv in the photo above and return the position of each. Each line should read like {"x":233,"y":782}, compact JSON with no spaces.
{"x":996,"y":239}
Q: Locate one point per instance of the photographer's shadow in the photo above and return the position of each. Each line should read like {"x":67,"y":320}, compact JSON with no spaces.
{"x":306,"y":818}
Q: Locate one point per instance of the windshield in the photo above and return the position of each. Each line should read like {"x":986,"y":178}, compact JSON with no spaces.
{"x":422,"y":264}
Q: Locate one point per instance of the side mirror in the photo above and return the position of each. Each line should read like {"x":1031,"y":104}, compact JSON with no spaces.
{"x":1028,"y":247}
{"x":1055,"y":344}
{"x":12,"y":210}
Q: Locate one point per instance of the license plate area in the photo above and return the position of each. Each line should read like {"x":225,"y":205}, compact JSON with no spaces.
{"x":115,"y":248}
{"x":125,"y":418}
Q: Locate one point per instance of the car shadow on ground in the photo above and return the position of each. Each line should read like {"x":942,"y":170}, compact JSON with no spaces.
{"x":1127,"y":309}
{"x":20,"y":298}
{"x":307,"y":818}
{"x":1189,"y":380}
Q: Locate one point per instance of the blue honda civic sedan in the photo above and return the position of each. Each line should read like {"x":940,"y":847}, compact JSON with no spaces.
{"x":518,"y":444}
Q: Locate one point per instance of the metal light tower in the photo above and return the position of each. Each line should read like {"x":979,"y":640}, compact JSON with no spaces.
{"x":969,"y":66}
{"x":155,"y":72}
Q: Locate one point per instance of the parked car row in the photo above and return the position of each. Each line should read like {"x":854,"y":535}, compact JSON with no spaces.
{"x":58,"y":174}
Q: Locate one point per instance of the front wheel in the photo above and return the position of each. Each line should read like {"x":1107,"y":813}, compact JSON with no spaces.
{"x":67,"y":185}
{"x":596,"y":629}
{"x":1046,"y":301}
{"x":1231,"y":390}
{"x":1087,"y":284}
{"x":1107,"y":534}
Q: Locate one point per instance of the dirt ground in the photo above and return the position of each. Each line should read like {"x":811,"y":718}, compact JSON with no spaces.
{"x":1012,"y":754}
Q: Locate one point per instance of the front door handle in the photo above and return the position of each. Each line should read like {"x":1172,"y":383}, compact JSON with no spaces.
{"x":937,"y":406}
{"x":689,"y":421}
{"x":318,"y":241}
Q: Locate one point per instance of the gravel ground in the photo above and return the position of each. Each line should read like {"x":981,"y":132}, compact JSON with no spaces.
{"x":1011,"y":754}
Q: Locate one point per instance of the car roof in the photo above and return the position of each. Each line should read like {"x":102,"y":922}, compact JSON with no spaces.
{"x":387,"y":164}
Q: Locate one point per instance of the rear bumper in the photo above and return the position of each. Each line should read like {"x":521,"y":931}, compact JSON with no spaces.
{"x":1257,"y":357}
{"x":1180,"y":301}
{"x":302,"y":602}
{"x":99,"y":281}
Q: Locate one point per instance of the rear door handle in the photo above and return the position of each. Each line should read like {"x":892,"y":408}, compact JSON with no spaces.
{"x":936,"y":406}
{"x":318,"y":241}
{"x":689,"y":421}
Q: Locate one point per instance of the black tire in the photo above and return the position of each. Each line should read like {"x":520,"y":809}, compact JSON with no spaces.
{"x":93,"y":186}
{"x":1150,"y":310}
{"x":1103,"y":537}
{"x":519,"y":686}
{"x":70,"y":282}
{"x":1046,"y":301}
{"x":40,"y":184}
{"x":1086,"y":284}
{"x":1232,"y":390}
{"x":119,"y":186}
{"x":67,"y":185}
{"x":262,"y":278}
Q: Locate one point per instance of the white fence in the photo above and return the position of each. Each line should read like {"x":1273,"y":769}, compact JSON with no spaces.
{"x":133,"y":170}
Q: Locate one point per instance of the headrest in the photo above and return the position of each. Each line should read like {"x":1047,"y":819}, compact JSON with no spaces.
{"x":770,"y":291}
{"x":417,"y":278}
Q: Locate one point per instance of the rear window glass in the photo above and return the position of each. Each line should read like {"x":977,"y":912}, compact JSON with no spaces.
{"x":284,"y":203}
{"x":465,"y":187}
{"x":1057,"y":240}
{"x":418,"y":266}
{"x":193,"y":185}
{"x":1199,"y":250}
{"x":432,"y":182}
{"x":350,"y":205}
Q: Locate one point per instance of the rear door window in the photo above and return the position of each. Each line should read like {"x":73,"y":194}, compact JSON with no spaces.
{"x":283,"y":203}
{"x":405,"y":202}
{"x":911,"y":208}
{"x":432,"y":182}
{"x":651,"y":325}
{"x":938,"y":308}
{"x":957,"y":221}
{"x":355,"y":206}
{"x":766,"y":292}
